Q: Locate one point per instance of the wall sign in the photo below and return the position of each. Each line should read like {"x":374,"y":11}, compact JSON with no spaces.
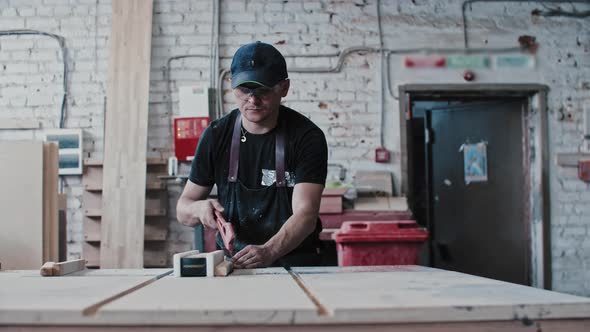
{"x":475,"y":162}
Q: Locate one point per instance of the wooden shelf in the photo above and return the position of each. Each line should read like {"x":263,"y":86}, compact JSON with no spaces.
{"x":156,"y":207}
{"x":155,"y":229}
{"x":154,"y":254}
{"x":148,"y":212}
{"x":92,"y":162}
{"x":148,"y":186}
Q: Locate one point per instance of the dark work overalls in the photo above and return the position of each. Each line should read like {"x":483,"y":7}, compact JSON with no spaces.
{"x":258,"y":214}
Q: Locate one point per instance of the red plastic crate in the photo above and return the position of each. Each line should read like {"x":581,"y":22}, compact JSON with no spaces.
{"x":379,"y":243}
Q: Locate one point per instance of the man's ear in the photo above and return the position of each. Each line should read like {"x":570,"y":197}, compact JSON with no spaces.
{"x":285,"y":87}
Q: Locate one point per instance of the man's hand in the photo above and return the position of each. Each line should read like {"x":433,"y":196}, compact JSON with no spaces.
{"x":253,"y":256}
{"x":203,"y":212}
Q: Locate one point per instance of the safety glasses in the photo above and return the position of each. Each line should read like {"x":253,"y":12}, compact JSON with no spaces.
{"x":261,"y":92}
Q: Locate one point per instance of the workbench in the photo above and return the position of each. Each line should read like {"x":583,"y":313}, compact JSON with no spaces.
{"x":392,"y":298}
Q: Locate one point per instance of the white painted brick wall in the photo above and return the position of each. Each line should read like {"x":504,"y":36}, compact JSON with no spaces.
{"x":346,"y":105}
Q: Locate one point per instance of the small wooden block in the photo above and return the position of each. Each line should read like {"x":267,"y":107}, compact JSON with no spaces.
{"x":59,"y":269}
{"x":213,"y":259}
{"x":224,"y":268}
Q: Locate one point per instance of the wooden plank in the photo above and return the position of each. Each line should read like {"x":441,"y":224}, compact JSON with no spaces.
{"x":124,"y":169}
{"x":19,"y":124}
{"x":263,"y":299}
{"x":62,"y":200}
{"x":21,"y":203}
{"x":435,"y":296}
{"x":51,"y":269}
{"x":50,"y":202}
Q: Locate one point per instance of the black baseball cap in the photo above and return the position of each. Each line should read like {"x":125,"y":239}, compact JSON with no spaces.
{"x":258,"y":63}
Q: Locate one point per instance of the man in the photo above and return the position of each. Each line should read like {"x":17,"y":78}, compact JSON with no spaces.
{"x":269,"y":163}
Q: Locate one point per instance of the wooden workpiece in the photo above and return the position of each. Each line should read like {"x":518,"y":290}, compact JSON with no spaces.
{"x":224,"y":268}
{"x":21,"y":203}
{"x":52,"y":269}
{"x":392,"y":298}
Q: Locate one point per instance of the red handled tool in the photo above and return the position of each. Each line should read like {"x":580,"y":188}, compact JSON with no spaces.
{"x":226,"y":230}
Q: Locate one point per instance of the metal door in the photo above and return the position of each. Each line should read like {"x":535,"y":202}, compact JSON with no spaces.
{"x":478,"y":226}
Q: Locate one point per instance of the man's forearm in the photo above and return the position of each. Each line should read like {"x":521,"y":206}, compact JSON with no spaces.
{"x":291,"y":234}
{"x":183,"y":210}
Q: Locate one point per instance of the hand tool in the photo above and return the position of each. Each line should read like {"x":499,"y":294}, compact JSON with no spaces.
{"x":227,"y":232}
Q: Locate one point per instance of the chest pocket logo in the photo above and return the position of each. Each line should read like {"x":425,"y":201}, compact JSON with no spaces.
{"x":269,"y":176}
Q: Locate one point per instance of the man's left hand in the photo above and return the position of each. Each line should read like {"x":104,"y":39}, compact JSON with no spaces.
{"x":253,"y":256}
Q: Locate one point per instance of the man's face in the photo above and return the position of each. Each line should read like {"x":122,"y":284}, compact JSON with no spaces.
{"x":257,"y":103}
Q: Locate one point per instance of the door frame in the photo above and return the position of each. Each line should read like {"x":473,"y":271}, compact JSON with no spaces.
{"x":537,"y":209}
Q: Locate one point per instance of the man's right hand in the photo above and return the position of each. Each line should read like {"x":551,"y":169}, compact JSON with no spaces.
{"x":203,"y":212}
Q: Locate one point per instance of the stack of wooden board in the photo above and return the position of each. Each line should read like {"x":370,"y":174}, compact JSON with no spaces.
{"x":29,"y":231}
{"x":331,"y":202}
{"x":156,"y":220}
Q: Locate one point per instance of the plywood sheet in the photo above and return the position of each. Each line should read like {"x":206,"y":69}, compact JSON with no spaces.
{"x":21,"y":203}
{"x":255,"y":299}
{"x":435,"y":296}
{"x":60,"y":300}
{"x":124,"y":168}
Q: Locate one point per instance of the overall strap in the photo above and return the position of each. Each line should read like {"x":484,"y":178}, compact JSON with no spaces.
{"x":234,"y":153}
{"x":280,"y":157}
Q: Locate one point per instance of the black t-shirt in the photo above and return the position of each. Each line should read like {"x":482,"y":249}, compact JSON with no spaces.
{"x":306,"y":154}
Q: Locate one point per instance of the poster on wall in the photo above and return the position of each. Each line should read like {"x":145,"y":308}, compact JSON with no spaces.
{"x":70,"y":149}
{"x":475,"y":162}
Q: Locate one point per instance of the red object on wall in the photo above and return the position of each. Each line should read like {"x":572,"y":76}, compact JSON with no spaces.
{"x":381,"y":155}
{"x":379,"y":243}
{"x":187,"y":132}
{"x":584,"y":170}
{"x":435,"y":61}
